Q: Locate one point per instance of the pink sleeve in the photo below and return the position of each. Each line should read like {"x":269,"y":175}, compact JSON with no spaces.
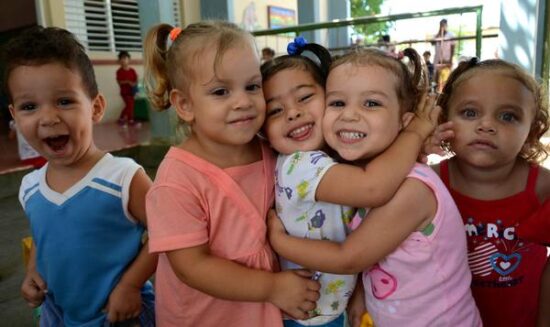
{"x":175,"y":219}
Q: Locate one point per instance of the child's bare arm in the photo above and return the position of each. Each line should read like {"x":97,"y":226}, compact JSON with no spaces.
{"x":292,"y":292}
{"x":125,"y":299}
{"x":377,"y":236}
{"x":33,"y":288}
{"x":376,"y":183}
{"x":356,"y":305}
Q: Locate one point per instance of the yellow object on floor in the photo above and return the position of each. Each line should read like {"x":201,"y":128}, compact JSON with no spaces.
{"x":26,"y":243}
{"x":366,"y":321}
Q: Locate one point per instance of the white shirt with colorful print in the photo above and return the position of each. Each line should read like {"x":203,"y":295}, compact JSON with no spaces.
{"x":296,"y":179}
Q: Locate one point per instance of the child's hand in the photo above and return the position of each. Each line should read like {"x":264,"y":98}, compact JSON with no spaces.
{"x":124,"y":303}
{"x":426,"y":118}
{"x":275,"y":229}
{"x":295,"y":293}
{"x":442,"y":133}
{"x":356,"y":305}
{"x":33,"y":288}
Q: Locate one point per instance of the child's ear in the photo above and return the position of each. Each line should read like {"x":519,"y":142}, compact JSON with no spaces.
{"x":12,"y":110}
{"x":98,"y":109}
{"x":406,"y":119}
{"x":182,"y":104}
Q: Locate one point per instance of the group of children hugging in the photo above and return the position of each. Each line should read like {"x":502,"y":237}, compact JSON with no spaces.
{"x":331,"y":143}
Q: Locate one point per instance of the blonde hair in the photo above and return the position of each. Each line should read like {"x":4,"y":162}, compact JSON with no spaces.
{"x":168,"y":67}
{"x":412,"y":81}
{"x":534,"y":150}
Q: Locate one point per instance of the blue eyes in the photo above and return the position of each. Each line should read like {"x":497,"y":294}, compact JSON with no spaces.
{"x":336,"y":103}
{"x":224,"y":91}
{"x":368,"y":104}
{"x":468,"y":113}
{"x":220,"y":92}
{"x":27,"y":107}
{"x":253,"y":87}
{"x":508,"y":117}
{"x":60,"y":103}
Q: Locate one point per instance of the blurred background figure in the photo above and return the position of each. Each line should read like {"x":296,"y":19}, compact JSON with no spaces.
{"x":267,"y":54}
{"x":27,"y":154}
{"x":444,"y":52}
{"x":429,"y":66}
{"x":385,"y":44}
{"x":126,"y":78}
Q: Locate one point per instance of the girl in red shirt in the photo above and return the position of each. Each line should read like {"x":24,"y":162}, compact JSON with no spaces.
{"x":498,"y":116}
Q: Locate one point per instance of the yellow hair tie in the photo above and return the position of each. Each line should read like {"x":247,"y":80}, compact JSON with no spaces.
{"x":174,"y":33}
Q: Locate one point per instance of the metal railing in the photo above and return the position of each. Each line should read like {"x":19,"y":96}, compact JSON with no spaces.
{"x":380,"y":19}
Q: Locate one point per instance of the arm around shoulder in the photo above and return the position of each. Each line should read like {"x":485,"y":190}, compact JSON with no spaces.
{"x":378,"y":235}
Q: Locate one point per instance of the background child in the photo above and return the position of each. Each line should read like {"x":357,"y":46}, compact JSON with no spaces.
{"x":412,"y":249}
{"x":267,"y":54}
{"x":499,"y":115}
{"x":27,"y":154}
{"x":86,"y":207}
{"x":127,"y":79}
{"x":209,"y":201}
{"x":306,"y":177}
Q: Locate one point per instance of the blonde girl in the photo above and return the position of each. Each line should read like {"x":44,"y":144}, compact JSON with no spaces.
{"x":412,"y":249}
{"x":208,"y":204}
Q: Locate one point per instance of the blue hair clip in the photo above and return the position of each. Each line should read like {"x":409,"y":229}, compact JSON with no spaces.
{"x":296,"y":47}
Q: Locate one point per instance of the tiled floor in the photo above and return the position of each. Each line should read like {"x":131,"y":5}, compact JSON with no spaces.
{"x":109,"y":137}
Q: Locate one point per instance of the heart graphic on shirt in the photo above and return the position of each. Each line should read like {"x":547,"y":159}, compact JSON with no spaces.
{"x":505,"y":264}
{"x":382,"y":283}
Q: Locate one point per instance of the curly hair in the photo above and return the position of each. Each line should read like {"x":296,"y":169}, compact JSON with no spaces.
{"x":38,"y":46}
{"x":534,"y":150}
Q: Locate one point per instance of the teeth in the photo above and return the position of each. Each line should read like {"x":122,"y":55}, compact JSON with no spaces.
{"x":352,"y":135}
{"x":300,"y":130}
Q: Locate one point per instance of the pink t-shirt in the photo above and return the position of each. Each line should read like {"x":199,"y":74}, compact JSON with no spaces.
{"x":426,"y":280}
{"x":194,"y":202}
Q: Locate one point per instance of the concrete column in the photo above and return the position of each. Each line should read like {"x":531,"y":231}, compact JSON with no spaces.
{"x":308,"y":12}
{"x":191,"y":11}
{"x":163,"y":123}
{"x":521,"y":33}
{"x":339,"y":37}
{"x":217,"y":9}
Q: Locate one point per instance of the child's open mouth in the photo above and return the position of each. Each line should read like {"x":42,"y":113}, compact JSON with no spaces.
{"x":301,"y":132}
{"x":57,"y":143}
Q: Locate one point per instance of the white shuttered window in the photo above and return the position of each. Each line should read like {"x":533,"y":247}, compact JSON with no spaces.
{"x":105,"y":25}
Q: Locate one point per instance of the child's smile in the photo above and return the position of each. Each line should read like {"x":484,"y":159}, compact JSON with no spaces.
{"x":350,"y":136}
{"x":363,"y":113}
{"x":54,"y":111}
{"x":57,"y":143}
{"x":295,"y":107}
{"x":301,"y":133}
